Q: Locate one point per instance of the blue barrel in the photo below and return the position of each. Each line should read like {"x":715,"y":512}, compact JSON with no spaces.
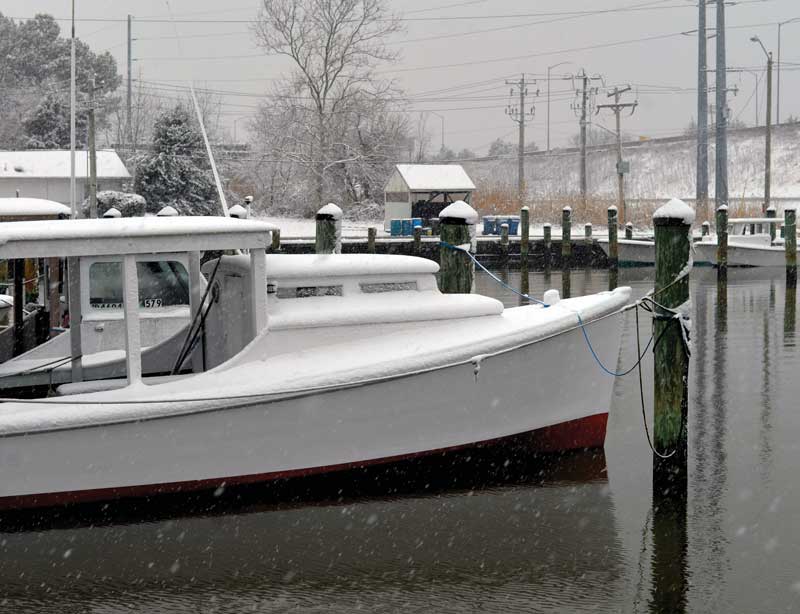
{"x":513,"y":225}
{"x":416,"y":221}
{"x":396,"y":228}
{"x":498,"y":224}
{"x":408,"y":227}
{"x":488,"y":224}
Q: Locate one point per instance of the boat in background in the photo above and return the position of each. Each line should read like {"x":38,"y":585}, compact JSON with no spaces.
{"x":750,"y":244}
{"x":357,"y":360}
{"x":632,"y":252}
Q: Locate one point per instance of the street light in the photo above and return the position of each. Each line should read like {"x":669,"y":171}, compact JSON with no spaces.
{"x":780,"y":25}
{"x":549,"y":68}
{"x":768,"y":147}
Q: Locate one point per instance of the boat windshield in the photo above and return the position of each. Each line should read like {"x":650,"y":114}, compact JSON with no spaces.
{"x":162,"y":283}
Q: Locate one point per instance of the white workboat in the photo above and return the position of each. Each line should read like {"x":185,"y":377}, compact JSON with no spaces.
{"x":314,"y":363}
{"x":632,"y":252}
{"x":749,"y":244}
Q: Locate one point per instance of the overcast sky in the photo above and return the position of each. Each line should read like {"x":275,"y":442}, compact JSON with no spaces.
{"x":470,"y":54}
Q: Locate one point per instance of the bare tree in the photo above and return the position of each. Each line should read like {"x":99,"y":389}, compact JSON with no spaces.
{"x":334,"y":46}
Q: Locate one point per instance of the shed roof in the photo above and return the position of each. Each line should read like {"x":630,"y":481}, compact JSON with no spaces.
{"x":55,"y":163}
{"x":435,"y":177}
{"x":17,"y":207}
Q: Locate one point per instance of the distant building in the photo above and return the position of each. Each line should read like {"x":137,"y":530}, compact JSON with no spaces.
{"x":423,"y":190}
{"x":45,"y":173}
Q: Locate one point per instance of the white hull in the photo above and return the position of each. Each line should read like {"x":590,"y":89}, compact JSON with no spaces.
{"x":631,"y":251}
{"x":741,"y":255}
{"x":536,"y":384}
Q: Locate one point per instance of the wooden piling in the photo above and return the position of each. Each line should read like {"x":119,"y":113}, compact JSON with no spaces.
{"x":772,"y":212}
{"x":722,"y":238}
{"x":566,"y":237}
{"x":372,"y":232}
{"x":329,"y":230}
{"x":629,"y":231}
{"x":613,"y":248}
{"x":548,"y":245}
{"x":417,"y":239}
{"x":456,"y":269}
{"x":275,"y":246}
{"x":672,"y":224}
{"x":504,"y":244}
{"x":790,"y":244}
{"x":706,"y":229}
{"x":524,"y":234}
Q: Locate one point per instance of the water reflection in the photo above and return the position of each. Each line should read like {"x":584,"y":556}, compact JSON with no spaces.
{"x":517,"y":536}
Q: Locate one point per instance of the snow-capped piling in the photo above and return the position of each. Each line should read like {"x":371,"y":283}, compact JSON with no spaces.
{"x":672,"y":223}
{"x":587,"y":237}
{"x":722,"y":239}
{"x":457,"y":227}
{"x":705,"y":229}
{"x":548,"y":243}
{"x":504,"y":244}
{"x":524,"y":234}
{"x":790,"y":244}
{"x":613,"y":247}
{"x":629,"y":230}
{"x":112,"y":213}
{"x":238,"y":212}
{"x":275,"y":245}
{"x":168,"y":211}
{"x":417,"y":239}
{"x":566,"y":236}
{"x":772,"y":212}
{"x":566,"y":251}
{"x":329,"y":230}
{"x":372,"y":232}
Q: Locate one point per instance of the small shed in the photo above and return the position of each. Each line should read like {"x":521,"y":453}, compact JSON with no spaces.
{"x":41,"y":173}
{"x":423,"y":190}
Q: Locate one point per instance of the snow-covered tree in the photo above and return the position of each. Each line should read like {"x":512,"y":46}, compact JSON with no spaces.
{"x":47,"y":127}
{"x":176,"y":172}
{"x":34,"y":80}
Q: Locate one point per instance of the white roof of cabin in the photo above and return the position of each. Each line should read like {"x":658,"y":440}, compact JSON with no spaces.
{"x":55,"y":163}
{"x":435,"y":177}
{"x":132,"y":235}
{"x":31,"y":206}
{"x":322,"y":266}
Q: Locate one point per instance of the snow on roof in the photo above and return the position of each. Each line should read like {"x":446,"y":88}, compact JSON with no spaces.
{"x":31,"y":206}
{"x":55,"y":163}
{"x":132,"y":235}
{"x":435,"y":177}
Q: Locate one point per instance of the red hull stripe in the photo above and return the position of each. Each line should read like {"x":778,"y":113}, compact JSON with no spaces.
{"x":589,"y":432}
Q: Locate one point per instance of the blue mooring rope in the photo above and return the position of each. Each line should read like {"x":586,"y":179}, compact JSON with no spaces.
{"x":580,"y":320}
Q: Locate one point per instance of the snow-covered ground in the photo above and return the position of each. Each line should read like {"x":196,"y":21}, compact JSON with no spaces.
{"x":659,"y":169}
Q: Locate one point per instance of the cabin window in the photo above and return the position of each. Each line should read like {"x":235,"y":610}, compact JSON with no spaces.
{"x":307,"y":291}
{"x":402,"y":286}
{"x":162,"y":283}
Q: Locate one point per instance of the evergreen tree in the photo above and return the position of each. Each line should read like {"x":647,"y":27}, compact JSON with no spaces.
{"x":47,"y":127}
{"x":177,"y":172}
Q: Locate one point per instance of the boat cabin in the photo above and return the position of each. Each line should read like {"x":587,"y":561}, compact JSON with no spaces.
{"x":135,"y":292}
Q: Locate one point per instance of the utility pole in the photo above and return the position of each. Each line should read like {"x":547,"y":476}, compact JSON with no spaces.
{"x":701,"y":189}
{"x":622,"y":167}
{"x":519,"y":114}
{"x":721,"y":174}
{"x":130,"y":65}
{"x":768,"y":145}
{"x":585,"y":94}
{"x":92,"y":155}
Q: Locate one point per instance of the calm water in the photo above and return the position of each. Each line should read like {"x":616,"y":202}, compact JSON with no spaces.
{"x":499,"y":537}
